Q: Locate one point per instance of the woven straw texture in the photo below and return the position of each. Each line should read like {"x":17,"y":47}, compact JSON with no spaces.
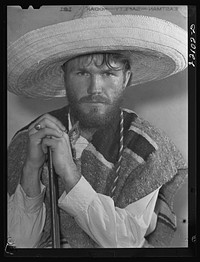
{"x":157,"y":49}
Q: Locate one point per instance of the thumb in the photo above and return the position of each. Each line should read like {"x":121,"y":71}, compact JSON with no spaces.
{"x":44,"y":148}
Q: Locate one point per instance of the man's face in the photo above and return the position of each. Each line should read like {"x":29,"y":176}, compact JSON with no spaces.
{"x":94,"y":92}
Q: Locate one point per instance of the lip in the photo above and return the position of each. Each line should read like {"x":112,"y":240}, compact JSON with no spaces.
{"x":94,"y":102}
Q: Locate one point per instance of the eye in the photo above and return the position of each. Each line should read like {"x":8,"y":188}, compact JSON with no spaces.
{"x":82,"y":73}
{"x":108,"y":73}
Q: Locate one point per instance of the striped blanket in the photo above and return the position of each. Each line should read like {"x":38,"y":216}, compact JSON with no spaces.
{"x":149,"y":160}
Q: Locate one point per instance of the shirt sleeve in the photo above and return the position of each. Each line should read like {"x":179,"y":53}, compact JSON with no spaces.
{"x":26,"y":217}
{"x":107,"y":225}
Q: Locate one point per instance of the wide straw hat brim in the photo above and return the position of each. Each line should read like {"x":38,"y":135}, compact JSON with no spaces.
{"x":156,"y":48}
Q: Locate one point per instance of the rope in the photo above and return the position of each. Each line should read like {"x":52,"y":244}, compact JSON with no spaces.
{"x":118,"y":165}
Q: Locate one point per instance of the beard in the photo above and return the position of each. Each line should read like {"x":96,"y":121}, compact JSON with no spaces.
{"x":93,"y":118}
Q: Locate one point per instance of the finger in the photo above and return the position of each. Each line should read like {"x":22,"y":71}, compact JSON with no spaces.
{"x":32,"y":131}
{"x":51,"y":118}
{"x":48,"y":142}
{"x":66,"y":137}
{"x":45,"y":123}
{"x":44,"y":148}
{"x":45,"y":132}
{"x":56,"y":143}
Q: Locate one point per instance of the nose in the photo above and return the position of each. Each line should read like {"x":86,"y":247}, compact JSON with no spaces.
{"x":96,"y":85}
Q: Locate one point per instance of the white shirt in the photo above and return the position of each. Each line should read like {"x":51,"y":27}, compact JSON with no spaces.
{"x":107,"y":225}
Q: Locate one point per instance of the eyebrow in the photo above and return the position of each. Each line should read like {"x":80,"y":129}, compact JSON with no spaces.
{"x":109,"y":70}
{"x":78,"y":69}
{"x":103,"y":70}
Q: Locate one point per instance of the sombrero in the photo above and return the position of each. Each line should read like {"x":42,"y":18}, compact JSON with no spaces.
{"x":156,"y":48}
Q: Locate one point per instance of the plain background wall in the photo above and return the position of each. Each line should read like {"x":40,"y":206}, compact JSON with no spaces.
{"x":163,"y":103}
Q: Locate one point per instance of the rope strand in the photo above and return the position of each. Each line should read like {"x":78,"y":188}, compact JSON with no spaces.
{"x":118,"y":165}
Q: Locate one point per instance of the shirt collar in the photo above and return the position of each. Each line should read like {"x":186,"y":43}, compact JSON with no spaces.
{"x":81,"y":142}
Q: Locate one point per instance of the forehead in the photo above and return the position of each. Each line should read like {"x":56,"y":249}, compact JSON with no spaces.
{"x":97,"y":60}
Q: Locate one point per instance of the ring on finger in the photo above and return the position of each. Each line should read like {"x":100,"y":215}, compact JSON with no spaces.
{"x":37,"y":127}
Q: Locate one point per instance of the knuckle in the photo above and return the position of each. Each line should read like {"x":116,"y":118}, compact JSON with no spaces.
{"x":45,"y":131}
{"x":51,"y":121}
{"x":44,"y":121}
{"x":49,"y":117}
{"x":50,"y":132}
{"x":46,"y":115}
{"x":44,"y":140}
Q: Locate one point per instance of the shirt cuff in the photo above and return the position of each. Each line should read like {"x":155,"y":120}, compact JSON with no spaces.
{"x":29,"y":204}
{"x":78,"y":199}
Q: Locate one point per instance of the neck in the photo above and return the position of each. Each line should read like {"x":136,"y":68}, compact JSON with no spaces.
{"x":87,"y":133}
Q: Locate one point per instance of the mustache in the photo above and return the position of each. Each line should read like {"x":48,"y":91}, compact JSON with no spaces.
{"x":95,"y":99}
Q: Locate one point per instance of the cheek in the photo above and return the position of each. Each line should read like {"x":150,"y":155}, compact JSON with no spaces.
{"x":77,"y":88}
{"x":114,"y":88}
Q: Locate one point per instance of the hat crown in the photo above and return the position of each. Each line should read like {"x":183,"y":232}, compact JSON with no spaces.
{"x":92,"y":11}
{"x":156,"y":49}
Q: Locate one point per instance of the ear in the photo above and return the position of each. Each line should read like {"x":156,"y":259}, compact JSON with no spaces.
{"x":127,"y":76}
{"x":63,"y":72}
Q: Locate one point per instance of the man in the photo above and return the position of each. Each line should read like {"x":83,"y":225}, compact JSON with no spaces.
{"x":117,"y":174}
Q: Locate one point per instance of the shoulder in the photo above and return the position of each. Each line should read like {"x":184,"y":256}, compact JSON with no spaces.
{"x":145,"y":129}
{"x":154,"y":157}
{"x":150,"y":142}
{"x":17,"y":150}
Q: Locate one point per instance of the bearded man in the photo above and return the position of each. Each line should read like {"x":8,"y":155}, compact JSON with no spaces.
{"x":117,"y":174}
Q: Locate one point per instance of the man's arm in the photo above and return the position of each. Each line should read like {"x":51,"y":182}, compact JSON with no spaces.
{"x":107,"y":225}
{"x":26,"y":218}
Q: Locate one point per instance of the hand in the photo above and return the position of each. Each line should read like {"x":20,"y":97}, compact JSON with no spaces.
{"x":51,"y":133}
{"x":30,"y":179}
{"x":62,"y":159}
{"x":49,"y":126}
